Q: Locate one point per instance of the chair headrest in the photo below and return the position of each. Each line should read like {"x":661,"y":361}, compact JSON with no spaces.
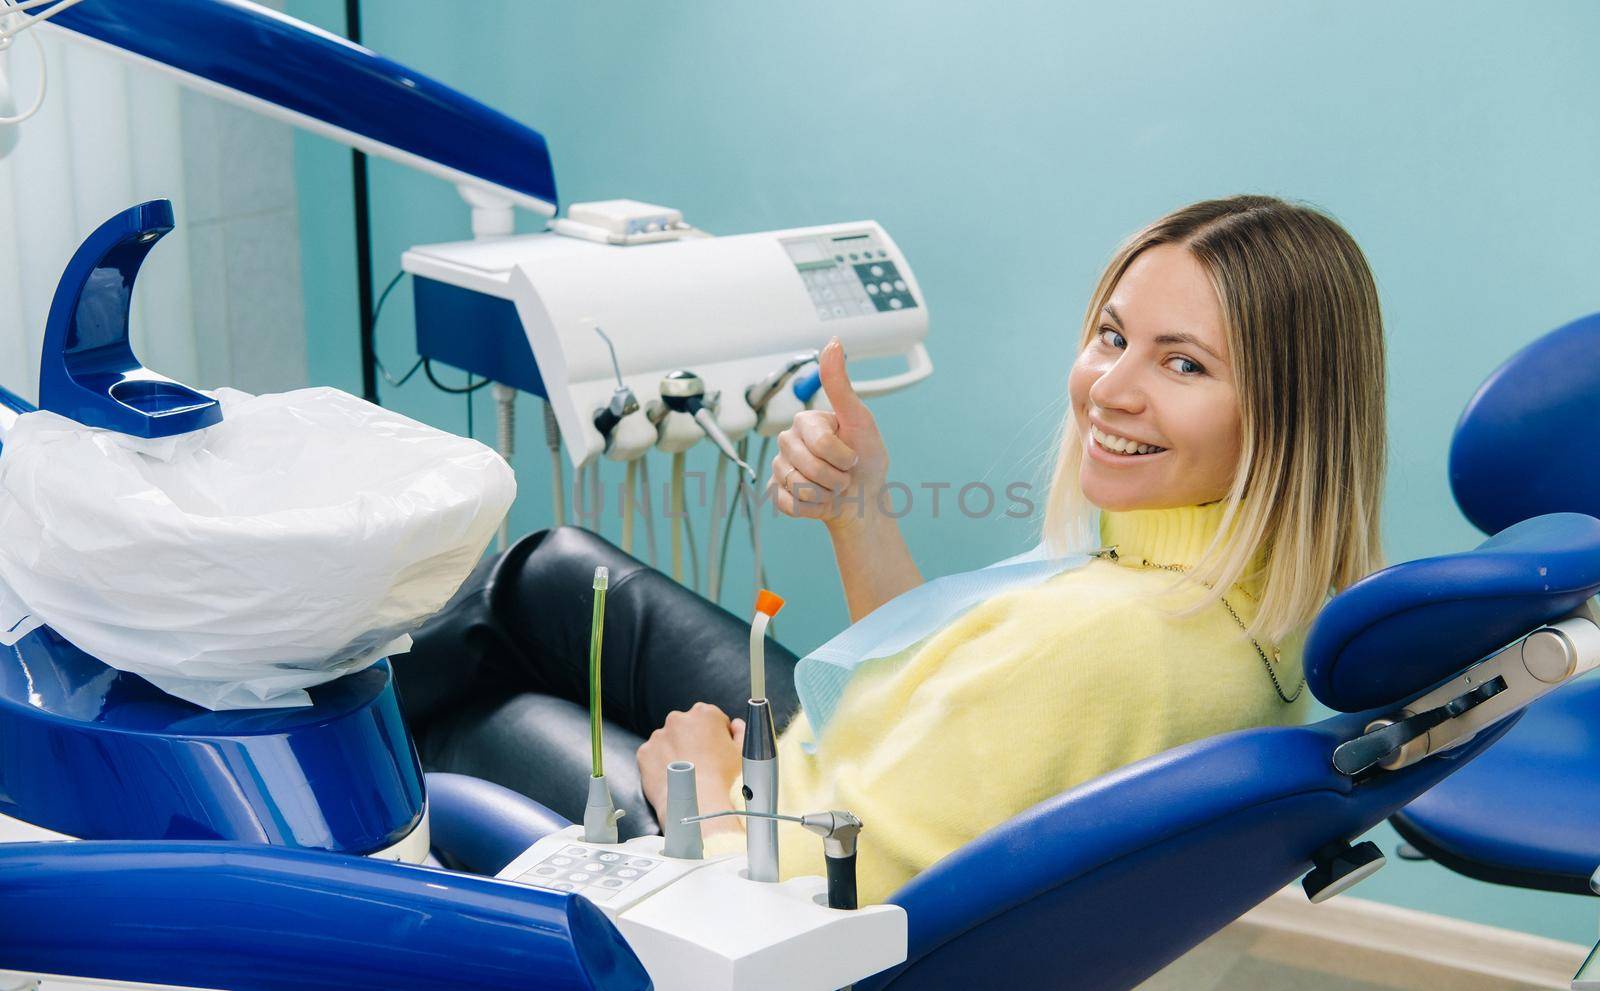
{"x":1395,"y":634}
{"x":1519,"y":448}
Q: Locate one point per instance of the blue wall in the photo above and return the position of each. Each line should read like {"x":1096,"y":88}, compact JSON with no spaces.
{"x":1008,"y":147}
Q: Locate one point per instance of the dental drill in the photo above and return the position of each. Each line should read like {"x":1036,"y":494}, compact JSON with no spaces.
{"x":600,"y":814}
{"x":623,"y":401}
{"x":760,"y":757}
{"x":763,"y":392}
{"x":839,"y":831}
{"x":684,"y":392}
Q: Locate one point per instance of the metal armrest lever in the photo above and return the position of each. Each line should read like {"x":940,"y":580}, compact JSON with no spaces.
{"x":1354,"y":756}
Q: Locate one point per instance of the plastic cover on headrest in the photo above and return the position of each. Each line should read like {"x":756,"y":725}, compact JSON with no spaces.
{"x":1521,"y":447}
{"x":1398,"y":632}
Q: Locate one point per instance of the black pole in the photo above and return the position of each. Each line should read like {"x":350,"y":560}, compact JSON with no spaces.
{"x":358,"y":166}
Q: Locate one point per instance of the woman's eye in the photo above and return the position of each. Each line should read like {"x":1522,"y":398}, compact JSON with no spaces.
{"x":1115,"y":339}
{"x":1184,"y":366}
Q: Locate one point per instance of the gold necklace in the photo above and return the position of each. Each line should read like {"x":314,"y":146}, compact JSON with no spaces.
{"x":1110,"y":553}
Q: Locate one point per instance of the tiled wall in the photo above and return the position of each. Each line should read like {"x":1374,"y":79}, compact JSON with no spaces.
{"x":241,"y":218}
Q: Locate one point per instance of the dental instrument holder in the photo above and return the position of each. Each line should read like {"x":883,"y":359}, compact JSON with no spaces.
{"x":703,"y":925}
{"x":87,"y":369}
{"x":684,"y":840}
{"x":839,"y":831}
{"x":760,"y":761}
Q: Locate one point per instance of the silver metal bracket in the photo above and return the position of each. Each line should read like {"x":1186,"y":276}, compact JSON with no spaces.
{"x":1501,"y":684}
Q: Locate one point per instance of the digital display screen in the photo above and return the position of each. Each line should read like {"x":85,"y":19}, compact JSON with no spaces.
{"x":807,"y":252}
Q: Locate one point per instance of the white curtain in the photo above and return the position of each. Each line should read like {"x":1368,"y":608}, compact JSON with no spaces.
{"x":108,"y":136}
{"x":218,"y":301}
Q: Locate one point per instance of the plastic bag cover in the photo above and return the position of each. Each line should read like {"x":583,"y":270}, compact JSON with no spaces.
{"x":301,"y":538}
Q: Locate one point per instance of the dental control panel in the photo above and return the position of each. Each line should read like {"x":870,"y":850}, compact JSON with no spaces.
{"x":850,"y":273}
{"x":704,"y":925}
{"x":611,"y":877}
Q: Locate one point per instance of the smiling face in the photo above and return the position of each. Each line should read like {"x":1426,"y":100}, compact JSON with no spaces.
{"x":1153,"y":391}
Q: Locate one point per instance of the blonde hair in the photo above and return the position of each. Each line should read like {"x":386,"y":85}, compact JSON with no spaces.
{"x":1305,"y":337}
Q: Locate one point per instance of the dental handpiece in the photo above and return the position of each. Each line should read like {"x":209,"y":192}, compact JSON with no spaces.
{"x":839,"y":831}
{"x":760,"y":764}
{"x":761,"y":393}
{"x":623,"y":402}
{"x":684,"y":392}
{"x":759,"y":760}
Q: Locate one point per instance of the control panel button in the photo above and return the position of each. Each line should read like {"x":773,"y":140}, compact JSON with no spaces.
{"x":642,"y":863}
{"x":578,"y":876}
{"x":872,"y":289}
{"x":886,"y":287}
{"x":627,"y":872}
{"x":900,"y":285}
{"x":877,"y":271}
{"x":896,"y":304}
{"x":609,"y":857}
{"x":575,"y":851}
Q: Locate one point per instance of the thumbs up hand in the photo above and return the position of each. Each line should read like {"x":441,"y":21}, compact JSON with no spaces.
{"x":831,"y":464}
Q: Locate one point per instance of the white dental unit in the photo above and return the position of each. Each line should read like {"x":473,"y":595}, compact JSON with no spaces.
{"x":596,"y":314}
{"x":730,"y":308}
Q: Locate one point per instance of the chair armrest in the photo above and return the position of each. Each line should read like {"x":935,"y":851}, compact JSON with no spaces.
{"x":483,"y":826}
{"x":253,"y":918}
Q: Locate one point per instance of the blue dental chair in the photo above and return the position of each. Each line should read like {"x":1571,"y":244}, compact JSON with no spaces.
{"x":1525,"y":814}
{"x":242,"y":849}
{"x":261,"y":850}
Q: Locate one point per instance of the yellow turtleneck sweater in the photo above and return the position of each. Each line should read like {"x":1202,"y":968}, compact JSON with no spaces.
{"x":1025,"y":695}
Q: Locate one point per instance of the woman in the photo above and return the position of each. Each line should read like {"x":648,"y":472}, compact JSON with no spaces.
{"x":1227,"y":423}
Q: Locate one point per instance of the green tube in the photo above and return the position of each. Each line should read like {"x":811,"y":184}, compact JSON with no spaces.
{"x":601,"y":580}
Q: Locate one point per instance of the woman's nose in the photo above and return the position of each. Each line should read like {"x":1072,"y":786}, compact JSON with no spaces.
{"x":1118,"y":387}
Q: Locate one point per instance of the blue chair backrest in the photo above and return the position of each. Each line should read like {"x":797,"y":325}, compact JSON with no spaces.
{"x":1523,"y":445}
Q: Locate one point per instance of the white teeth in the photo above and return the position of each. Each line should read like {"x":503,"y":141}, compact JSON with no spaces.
{"x":1122,"y":445}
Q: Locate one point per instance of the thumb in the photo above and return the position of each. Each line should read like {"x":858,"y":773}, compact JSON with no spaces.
{"x":847,"y":406}
{"x":738,"y":733}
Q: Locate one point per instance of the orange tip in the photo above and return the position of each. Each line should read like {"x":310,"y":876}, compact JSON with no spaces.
{"x":768,"y":602}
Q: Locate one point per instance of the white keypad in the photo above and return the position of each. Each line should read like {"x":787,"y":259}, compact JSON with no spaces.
{"x":600,"y":875}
